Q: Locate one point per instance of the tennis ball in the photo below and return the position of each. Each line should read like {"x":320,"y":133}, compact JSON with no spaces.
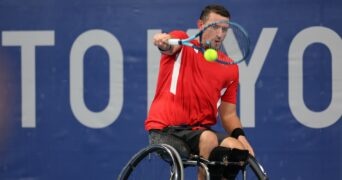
{"x":210,"y":55}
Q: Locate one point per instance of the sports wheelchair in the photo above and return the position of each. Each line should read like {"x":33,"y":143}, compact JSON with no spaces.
{"x":177,"y":155}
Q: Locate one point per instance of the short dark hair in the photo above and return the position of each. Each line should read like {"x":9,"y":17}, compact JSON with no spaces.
{"x":215,"y":8}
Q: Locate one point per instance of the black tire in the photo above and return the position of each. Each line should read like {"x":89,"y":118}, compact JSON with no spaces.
{"x":258,"y":170}
{"x":167,"y":152}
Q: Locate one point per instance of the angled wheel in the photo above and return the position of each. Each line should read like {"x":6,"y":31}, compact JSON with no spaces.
{"x":158,"y":161}
{"x":254,"y":166}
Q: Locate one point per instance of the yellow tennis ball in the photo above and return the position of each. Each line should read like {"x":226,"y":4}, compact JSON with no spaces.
{"x":210,"y":55}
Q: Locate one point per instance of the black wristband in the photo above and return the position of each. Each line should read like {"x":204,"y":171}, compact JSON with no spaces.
{"x":237,"y":132}
{"x":163,"y":50}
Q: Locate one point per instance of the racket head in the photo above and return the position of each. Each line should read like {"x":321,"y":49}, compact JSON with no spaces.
{"x":229,"y":39}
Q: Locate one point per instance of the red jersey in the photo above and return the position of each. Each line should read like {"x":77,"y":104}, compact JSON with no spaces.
{"x":190,"y":89}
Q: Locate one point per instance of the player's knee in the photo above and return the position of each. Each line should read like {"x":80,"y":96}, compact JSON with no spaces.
{"x":209,"y":139}
{"x":230,"y":142}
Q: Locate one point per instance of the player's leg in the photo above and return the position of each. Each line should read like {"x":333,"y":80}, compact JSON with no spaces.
{"x":230,"y":142}
{"x":207,"y":142}
{"x":234,"y":152}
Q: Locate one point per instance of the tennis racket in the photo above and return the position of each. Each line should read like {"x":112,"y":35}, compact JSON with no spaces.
{"x":229,"y":39}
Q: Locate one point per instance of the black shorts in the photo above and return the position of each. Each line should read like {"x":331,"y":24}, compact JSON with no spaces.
{"x":183,"y":138}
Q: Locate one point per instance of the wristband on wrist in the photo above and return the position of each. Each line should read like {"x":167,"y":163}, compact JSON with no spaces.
{"x":237,"y":132}
{"x":163,"y":50}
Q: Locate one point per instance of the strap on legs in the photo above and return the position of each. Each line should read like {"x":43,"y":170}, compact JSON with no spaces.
{"x":223,"y":154}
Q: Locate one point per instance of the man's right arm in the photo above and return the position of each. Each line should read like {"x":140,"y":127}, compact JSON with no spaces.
{"x":161,"y":41}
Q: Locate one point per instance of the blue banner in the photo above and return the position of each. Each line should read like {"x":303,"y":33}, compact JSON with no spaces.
{"x":77,"y":78}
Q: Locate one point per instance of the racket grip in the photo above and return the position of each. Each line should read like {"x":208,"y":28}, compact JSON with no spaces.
{"x":174,"y":41}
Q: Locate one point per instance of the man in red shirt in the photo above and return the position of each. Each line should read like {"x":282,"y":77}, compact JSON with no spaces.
{"x":191,"y":92}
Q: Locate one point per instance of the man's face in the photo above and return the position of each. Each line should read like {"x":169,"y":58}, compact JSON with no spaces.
{"x":214,"y":35}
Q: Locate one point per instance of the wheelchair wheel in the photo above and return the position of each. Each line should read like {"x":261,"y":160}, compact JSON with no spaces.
{"x":160,"y":161}
{"x":255,"y":168}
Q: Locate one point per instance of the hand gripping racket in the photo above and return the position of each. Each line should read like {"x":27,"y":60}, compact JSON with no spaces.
{"x":229,"y":39}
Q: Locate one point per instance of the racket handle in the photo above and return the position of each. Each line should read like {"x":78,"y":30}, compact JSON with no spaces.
{"x":174,"y":41}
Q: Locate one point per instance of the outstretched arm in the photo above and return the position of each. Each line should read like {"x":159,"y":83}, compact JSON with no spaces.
{"x":160,"y":40}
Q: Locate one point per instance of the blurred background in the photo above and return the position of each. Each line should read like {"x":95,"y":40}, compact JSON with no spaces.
{"x":77,"y":78}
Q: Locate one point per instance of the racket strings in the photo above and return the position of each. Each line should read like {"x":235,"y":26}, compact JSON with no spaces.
{"x":240,"y":45}
{"x":234,"y":47}
{"x":242,"y":40}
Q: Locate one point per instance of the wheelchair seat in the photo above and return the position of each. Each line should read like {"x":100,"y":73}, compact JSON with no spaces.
{"x":182,"y":148}
{"x":177,"y":154}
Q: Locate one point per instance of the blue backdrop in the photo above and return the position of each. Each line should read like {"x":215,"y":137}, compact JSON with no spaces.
{"x":77,"y":78}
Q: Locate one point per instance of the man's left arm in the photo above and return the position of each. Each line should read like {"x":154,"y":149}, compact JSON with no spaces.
{"x":232,"y":124}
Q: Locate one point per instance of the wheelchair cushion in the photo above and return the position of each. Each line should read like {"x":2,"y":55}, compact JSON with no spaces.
{"x":163,"y":138}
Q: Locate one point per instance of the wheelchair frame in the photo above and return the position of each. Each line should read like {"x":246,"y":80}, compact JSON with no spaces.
{"x":177,"y":163}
